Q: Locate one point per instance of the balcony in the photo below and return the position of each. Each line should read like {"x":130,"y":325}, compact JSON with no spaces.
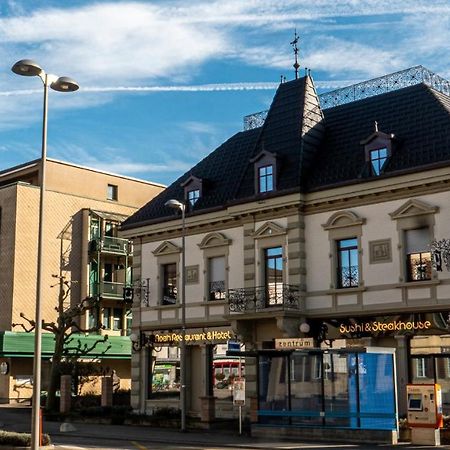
{"x":108,"y":289}
{"x":110,"y":245}
{"x":263,"y":298}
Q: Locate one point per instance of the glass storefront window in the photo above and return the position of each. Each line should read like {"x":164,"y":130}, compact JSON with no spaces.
{"x":331,"y":389}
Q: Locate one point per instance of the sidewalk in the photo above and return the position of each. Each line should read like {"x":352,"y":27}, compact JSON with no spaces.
{"x":19,"y":419}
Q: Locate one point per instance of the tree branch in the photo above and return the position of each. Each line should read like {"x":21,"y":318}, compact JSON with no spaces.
{"x":82,"y":350}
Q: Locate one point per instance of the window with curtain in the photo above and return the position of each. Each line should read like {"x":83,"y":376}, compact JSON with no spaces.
{"x":216,"y":271}
{"x":106,"y":316}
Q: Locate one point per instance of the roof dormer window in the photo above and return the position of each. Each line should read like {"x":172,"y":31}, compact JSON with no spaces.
{"x":378,"y":158}
{"x":193,"y":196}
{"x":265,"y":164}
{"x":265,"y":179}
{"x":193,"y":190}
{"x":378,"y":149}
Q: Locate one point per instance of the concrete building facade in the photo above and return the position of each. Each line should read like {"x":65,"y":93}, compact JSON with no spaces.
{"x":77,"y":199}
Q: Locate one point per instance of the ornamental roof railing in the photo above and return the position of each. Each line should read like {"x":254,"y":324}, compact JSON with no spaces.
{"x":370,"y":88}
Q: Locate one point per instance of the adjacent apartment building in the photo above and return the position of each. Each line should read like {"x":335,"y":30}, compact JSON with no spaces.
{"x":84,"y":208}
{"x":328,"y":221}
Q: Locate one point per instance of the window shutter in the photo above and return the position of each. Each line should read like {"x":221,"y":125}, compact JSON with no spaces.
{"x":217,"y":269}
{"x":417,"y":240}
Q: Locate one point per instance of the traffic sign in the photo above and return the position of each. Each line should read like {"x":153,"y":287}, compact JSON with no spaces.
{"x":234,"y":346}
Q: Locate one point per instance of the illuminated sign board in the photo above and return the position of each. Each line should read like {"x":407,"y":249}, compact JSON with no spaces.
{"x":377,"y":326}
{"x":194,"y":337}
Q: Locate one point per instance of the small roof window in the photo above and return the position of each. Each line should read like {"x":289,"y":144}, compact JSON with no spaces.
{"x":378,"y":158}
{"x":378,"y":148}
{"x":265,"y":164}
{"x":193,"y":196}
{"x":193,"y":190}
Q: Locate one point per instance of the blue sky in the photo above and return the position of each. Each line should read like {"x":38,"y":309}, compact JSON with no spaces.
{"x":163,"y":83}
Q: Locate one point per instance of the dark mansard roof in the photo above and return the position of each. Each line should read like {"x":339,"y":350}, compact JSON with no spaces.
{"x":327,"y":153}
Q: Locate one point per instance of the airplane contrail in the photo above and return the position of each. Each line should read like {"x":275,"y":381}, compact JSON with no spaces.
{"x":187,"y":88}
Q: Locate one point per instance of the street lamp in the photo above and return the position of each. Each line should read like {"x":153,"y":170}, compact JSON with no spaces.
{"x":175,"y":204}
{"x":29,"y":68}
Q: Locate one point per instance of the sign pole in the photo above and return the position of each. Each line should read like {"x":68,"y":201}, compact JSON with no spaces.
{"x":240,"y":420}
{"x":239,"y":398}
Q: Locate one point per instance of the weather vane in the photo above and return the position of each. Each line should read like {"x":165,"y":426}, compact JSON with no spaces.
{"x":295,"y":47}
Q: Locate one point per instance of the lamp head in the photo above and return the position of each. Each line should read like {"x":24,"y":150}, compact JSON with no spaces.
{"x":27,"y":68}
{"x":304,"y":327}
{"x":174,"y":204}
{"x":65,"y":84}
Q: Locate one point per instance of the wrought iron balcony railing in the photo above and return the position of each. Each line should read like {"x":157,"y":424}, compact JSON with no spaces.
{"x":349,"y":276}
{"x":110,"y":245}
{"x":370,"y":88}
{"x":280,"y":296}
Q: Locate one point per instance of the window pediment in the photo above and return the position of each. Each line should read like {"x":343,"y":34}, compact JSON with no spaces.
{"x":192,"y":182}
{"x":264,"y":157}
{"x":269,"y":229}
{"x":214,"y":240}
{"x":166,"y":248}
{"x":377,"y":138}
{"x":342,"y":219}
{"x":413,"y":207}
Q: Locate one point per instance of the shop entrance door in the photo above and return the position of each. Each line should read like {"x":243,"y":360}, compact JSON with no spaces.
{"x":333,"y":388}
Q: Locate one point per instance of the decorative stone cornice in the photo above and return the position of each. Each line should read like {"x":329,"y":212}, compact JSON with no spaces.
{"x":343,"y":219}
{"x":269,"y":229}
{"x":166,"y":248}
{"x":214,"y":239}
{"x":413,"y":207}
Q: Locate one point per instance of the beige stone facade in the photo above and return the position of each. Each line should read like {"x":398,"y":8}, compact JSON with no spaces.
{"x":72,"y":192}
{"x":341,"y":254}
{"x":307,"y":229}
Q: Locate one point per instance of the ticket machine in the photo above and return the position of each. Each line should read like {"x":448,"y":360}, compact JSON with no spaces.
{"x":424,"y":413}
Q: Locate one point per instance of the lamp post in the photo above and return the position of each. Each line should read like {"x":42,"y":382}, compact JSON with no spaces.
{"x":175,"y":204}
{"x":29,"y":68}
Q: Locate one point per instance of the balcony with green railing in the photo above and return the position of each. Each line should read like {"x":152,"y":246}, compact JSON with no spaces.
{"x":107,"y":289}
{"x":109,"y":244}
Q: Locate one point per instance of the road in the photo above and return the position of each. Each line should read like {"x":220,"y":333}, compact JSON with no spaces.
{"x":87,"y":436}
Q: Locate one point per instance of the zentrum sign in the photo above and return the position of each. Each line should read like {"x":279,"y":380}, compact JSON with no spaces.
{"x":377,"y":326}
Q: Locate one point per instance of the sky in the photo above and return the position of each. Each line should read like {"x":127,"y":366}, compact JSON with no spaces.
{"x":163,"y":83}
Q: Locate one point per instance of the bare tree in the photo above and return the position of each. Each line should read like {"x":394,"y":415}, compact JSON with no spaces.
{"x":64,"y":330}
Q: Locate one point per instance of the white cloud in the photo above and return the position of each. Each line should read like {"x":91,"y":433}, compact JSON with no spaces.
{"x":267,"y":12}
{"x":131,"y":168}
{"x":115,"y":160}
{"x":112,"y":41}
{"x":127,"y":42}
{"x":113,"y":47}
{"x":199,"y":127}
{"x":338,"y":56}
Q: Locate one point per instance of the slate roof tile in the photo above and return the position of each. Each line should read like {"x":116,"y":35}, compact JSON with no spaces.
{"x":418,"y":116}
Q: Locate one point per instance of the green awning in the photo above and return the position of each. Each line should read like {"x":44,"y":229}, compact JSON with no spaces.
{"x":21,"y":344}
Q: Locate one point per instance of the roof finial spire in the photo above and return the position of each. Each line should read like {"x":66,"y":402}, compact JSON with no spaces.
{"x":294,"y":43}
{"x":376,"y":126}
